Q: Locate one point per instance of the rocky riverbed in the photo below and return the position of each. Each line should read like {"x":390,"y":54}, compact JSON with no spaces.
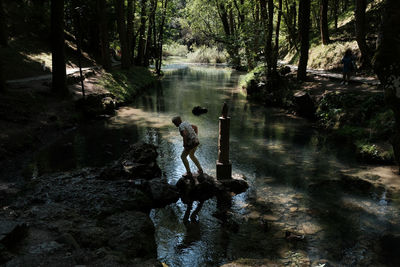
{"x":95,"y":216}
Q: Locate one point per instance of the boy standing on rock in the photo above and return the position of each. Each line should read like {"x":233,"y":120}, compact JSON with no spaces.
{"x":190,"y":143}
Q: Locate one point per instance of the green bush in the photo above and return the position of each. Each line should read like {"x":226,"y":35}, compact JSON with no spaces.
{"x":205,"y":54}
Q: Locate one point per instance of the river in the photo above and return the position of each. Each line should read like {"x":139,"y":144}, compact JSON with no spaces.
{"x":294,"y":174}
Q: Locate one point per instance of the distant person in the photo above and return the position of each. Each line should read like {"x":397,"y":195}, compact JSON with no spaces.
{"x":348,"y":66}
{"x":189,"y":133}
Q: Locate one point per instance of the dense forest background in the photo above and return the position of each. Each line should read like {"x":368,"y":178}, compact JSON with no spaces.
{"x":50,"y":36}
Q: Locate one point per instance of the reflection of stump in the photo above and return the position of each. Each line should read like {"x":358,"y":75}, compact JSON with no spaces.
{"x":224,"y":166}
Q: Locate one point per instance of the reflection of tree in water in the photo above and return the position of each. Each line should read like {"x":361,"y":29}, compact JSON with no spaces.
{"x":160,"y":101}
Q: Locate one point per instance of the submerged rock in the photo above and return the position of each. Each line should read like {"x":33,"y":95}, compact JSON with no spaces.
{"x":197,"y":110}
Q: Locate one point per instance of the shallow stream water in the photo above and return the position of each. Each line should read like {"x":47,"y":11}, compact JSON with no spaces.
{"x":294,"y":177}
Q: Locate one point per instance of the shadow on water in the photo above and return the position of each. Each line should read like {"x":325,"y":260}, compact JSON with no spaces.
{"x":295,"y":177}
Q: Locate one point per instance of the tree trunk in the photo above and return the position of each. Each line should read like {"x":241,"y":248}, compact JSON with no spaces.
{"x":323,"y":22}
{"x":335,"y":12}
{"x":161,"y":37}
{"x":345,"y":5}
{"x":3,"y":26}
{"x":103,"y":31}
{"x":268,"y":45}
{"x":59,"y":85}
{"x":149,"y":45}
{"x":278,"y":25}
{"x":142,"y":30}
{"x":129,"y":28}
{"x":387,"y":66}
{"x":304,"y":28}
{"x":229,"y":29}
{"x":2,"y":79}
{"x":360,"y":32}
{"x":125,"y":55}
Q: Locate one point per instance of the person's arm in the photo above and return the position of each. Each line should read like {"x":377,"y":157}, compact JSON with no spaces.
{"x":196,"y":130}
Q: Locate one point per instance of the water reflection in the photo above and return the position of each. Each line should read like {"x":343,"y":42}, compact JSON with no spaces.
{"x":294,"y":176}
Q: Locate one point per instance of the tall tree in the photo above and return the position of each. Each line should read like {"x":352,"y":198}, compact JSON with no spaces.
{"x":323,"y":21}
{"x":387,"y":66}
{"x":360,"y":32}
{"x":225,"y":14}
{"x":2,"y":79}
{"x":125,"y":52}
{"x":278,"y":25}
{"x":335,"y":12}
{"x":152,"y":19}
{"x":164,"y":4}
{"x":129,"y":27}
{"x":3,"y":26}
{"x":59,"y":85}
{"x":142,"y":31}
{"x":103,"y":31}
{"x":304,"y":28}
{"x":268,"y":46}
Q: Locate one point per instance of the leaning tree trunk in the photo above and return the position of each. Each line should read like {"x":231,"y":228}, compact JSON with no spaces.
{"x":104,"y":44}
{"x":323,"y":22}
{"x":125,"y":55}
{"x":304,"y":27}
{"x":59,"y":85}
{"x":142,"y":30}
{"x":360,"y":32}
{"x":3,"y":26}
{"x":387,"y":66}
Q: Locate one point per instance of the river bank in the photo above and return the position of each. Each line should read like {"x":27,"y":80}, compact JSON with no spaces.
{"x":355,"y":114}
{"x":32,"y":117}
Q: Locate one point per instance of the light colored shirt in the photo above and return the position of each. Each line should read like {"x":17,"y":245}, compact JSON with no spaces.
{"x":190,"y":133}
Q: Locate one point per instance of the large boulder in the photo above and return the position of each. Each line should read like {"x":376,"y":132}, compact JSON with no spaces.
{"x":138,"y":162}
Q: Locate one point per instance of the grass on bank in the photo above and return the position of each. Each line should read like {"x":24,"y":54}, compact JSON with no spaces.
{"x":199,"y":54}
{"x":125,"y":84}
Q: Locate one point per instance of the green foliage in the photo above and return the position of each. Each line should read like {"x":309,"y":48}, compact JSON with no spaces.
{"x":256,"y":73}
{"x":125,"y":84}
{"x":374,"y":152}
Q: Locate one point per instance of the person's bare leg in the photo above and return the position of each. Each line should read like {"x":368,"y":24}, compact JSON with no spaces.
{"x":184,"y":155}
{"x":195,"y":160}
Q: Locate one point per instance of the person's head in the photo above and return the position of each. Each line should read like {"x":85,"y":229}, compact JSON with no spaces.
{"x":348,"y":53}
{"x":177,"y":121}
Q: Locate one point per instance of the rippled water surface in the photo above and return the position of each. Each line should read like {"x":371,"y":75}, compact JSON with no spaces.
{"x":296,"y":178}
